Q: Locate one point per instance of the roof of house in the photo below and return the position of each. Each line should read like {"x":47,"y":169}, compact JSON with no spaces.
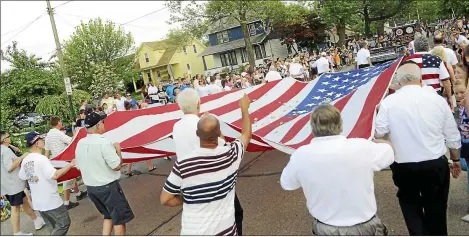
{"x":169,"y":51}
{"x":225,"y":24}
{"x":235,"y":44}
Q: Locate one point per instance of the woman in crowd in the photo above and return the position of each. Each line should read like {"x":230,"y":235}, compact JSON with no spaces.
{"x":202,"y":89}
{"x":225,"y":86}
{"x":162,"y":94}
{"x":144,"y":92}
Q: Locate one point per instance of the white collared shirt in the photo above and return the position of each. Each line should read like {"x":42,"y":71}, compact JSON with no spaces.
{"x":56,"y":141}
{"x":273,"y":76}
{"x":185,"y":137}
{"x":419,"y":122}
{"x":322,"y":65}
{"x":296,"y":70}
{"x":336,"y":175}
{"x":96,"y":158}
{"x":362,"y":56}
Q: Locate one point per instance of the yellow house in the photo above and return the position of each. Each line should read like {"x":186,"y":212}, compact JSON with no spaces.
{"x":160,"y":61}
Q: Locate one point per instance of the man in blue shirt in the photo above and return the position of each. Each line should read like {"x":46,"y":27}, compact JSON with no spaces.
{"x":132,"y":101}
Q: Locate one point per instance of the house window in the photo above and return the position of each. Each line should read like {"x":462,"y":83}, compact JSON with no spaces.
{"x":259,"y":51}
{"x":222,"y":37}
{"x":149,"y":76}
{"x":185,"y":51}
{"x":188,"y":67}
{"x":252,"y":29}
{"x":244,"y":55}
{"x":195,"y":48}
{"x":228,"y":59}
{"x":147,"y":60}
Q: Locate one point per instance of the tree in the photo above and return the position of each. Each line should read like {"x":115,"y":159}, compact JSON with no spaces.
{"x":104,"y":79}
{"x":28,"y":81}
{"x":340,"y":13}
{"x":58,"y":104}
{"x":196,"y":18}
{"x":94,"y":43}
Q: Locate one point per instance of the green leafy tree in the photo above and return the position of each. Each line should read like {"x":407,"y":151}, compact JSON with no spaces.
{"x":58,"y":104}
{"x":104,"y":80}
{"x":94,"y":43}
{"x":196,"y":18}
{"x":27,"y":82}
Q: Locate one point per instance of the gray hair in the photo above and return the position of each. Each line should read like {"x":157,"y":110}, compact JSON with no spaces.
{"x":188,"y":101}
{"x":408,"y":73}
{"x":421,"y":44}
{"x":326,"y":121}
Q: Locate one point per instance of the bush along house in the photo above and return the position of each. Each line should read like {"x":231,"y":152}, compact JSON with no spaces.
{"x":227,"y":46}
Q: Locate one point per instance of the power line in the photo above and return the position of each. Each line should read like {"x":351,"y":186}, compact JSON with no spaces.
{"x":145,"y":15}
{"x":68,"y":23}
{"x":61,"y":4}
{"x":26,"y":27}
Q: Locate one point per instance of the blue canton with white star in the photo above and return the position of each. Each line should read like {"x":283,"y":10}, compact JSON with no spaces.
{"x":430,"y":61}
{"x":333,"y":86}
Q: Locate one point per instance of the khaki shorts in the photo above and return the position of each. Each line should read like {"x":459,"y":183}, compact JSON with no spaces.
{"x":373,"y":227}
{"x":69,"y":184}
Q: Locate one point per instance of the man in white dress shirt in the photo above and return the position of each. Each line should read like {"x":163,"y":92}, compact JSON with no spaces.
{"x":338,"y":205}
{"x":213,"y":88}
{"x":186,"y":139}
{"x":420,"y":127}
{"x":322,"y":64}
{"x":272,"y":75}
{"x":297,"y":70}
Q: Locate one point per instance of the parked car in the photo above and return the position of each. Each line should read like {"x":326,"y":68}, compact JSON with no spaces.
{"x":28,"y":120}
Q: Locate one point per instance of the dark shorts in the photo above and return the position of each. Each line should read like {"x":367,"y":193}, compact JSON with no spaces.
{"x":16,"y":199}
{"x":111,"y":202}
{"x":363,"y":66}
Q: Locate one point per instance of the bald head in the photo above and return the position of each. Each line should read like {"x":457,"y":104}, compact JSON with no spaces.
{"x":208,"y":129}
{"x":409,"y":73}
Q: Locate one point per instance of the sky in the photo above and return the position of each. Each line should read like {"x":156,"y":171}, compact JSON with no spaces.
{"x":38,"y":38}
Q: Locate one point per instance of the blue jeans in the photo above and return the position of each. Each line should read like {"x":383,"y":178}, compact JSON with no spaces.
{"x":463,"y":164}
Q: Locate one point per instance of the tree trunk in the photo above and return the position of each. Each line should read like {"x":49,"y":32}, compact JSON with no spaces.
{"x":366,"y":18}
{"x":341,"y":32}
{"x":249,"y":48}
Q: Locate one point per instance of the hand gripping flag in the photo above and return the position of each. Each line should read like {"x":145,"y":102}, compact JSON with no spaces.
{"x":279,"y":111}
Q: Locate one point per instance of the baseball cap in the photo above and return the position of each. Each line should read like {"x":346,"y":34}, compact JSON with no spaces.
{"x":32,"y":138}
{"x":93,"y":118}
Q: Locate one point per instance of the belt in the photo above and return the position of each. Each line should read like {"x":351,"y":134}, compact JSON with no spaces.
{"x":352,"y":225}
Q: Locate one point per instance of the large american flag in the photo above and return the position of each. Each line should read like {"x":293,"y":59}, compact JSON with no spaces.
{"x":279,"y":111}
{"x":432,"y":68}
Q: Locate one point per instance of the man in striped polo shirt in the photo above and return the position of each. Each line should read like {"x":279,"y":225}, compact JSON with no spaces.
{"x":434,"y":72}
{"x":206,"y":178}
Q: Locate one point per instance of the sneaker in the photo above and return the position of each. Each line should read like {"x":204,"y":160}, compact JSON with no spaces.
{"x":72,"y":205}
{"x":23,"y":233}
{"x":39,"y":223}
{"x":82,"y":195}
{"x":167,"y":158}
{"x":465,"y":218}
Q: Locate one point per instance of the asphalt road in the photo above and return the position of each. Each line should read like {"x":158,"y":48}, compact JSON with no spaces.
{"x":268,"y":210}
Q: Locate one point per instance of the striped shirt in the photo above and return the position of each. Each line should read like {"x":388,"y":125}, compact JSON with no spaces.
{"x":434,"y":70}
{"x":207,"y":180}
{"x":56,"y":141}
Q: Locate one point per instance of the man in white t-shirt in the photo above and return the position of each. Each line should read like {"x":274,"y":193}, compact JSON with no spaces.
{"x":213,"y":88}
{"x":363,"y":56}
{"x":322,"y":64}
{"x":42,"y":179}
{"x":207,"y":212}
{"x":109,"y":101}
{"x":56,"y":142}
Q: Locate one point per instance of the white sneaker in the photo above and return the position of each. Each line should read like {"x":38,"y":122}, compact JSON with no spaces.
{"x":23,"y":233}
{"x":39,"y":223}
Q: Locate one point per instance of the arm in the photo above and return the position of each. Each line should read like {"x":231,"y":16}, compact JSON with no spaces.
{"x":170,"y":196}
{"x":288,"y":179}
{"x":384,"y":154}
{"x":452,"y":77}
{"x":451,"y":133}
{"x":59,"y":173}
{"x":17,"y":163}
{"x":246,"y":131}
{"x":382,"y":121}
{"x":112,"y":155}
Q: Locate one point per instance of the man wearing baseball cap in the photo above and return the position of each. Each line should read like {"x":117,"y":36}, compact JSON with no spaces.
{"x":42,"y":179}
{"x":99,"y":162}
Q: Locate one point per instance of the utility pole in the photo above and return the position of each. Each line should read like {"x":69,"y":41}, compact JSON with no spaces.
{"x":68,"y":86}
